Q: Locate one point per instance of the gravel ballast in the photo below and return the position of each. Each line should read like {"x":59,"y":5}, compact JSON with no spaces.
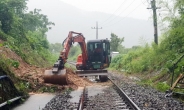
{"x":146,"y":98}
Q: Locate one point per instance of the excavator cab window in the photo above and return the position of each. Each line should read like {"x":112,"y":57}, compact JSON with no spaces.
{"x":95,"y":51}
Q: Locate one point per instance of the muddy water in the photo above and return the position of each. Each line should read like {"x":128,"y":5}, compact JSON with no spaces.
{"x":35,"y":102}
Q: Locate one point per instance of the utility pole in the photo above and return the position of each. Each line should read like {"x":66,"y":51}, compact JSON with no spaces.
{"x":154,"y":8}
{"x":96,"y":29}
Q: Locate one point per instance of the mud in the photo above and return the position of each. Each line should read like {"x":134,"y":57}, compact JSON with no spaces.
{"x":33,"y":75}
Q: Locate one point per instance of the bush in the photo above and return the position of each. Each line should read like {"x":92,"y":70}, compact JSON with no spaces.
{"x":162,"y":86}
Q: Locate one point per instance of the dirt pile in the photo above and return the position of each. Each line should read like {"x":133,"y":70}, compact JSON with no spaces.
{"x":34,"y":75}
{"x":73,"y":79}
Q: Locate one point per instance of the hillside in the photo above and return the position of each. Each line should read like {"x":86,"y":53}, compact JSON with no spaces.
{"x":29,"y":78}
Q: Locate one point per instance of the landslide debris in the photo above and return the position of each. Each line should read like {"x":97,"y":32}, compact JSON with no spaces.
{"x":33,"y":75}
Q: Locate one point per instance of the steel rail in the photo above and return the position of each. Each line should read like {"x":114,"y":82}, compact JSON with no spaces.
{"x":10,"y":101}
{"x":120,"y":91}
{"x":82,"y":99}
{"x":124,"y":96}
{"x":6,"y":78}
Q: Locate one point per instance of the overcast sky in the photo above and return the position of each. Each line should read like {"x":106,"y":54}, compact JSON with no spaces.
{"x":74,"y":15}
{"x":126,"y":8}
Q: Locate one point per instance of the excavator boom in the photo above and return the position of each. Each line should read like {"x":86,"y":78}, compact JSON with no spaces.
{"x":58,"y":73}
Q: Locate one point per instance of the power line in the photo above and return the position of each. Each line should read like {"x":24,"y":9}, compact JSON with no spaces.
{"x":125,"y":16}
{"x":143,"y":2}
{"x":122,"y":11}
{"x":115,"y":11}
{"x":118,"y":9}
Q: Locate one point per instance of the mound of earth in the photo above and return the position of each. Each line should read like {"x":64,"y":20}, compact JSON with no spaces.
{"x":73,"y":79}
{"x":33,"y":75}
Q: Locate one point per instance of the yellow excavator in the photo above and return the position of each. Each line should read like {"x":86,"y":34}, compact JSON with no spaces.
{"x":93,"y":60}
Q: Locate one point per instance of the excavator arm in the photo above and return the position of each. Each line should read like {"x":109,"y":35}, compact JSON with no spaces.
{"x":67,"y":45}
{"x":58,"y":74}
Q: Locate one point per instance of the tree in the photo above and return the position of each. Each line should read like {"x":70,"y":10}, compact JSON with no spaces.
{"x":56,"y":48}
{"x":116,"y":42}
{"x":25,"y":32}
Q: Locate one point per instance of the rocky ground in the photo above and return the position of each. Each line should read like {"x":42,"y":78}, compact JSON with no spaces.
{"x":146,"y":98}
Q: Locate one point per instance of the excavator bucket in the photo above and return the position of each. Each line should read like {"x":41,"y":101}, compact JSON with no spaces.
{"x":55,"y":78}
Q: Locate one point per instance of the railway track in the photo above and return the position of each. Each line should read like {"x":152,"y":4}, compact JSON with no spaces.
{"x":125,"y":97}
{"x":119,"y":99}
{"x":113,"y":98}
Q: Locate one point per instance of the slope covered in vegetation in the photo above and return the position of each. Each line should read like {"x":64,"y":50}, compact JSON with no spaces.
{"x":158,"y":59}
{"x":24,"y":48}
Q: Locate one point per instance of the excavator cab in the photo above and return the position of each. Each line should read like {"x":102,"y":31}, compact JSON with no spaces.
{"x":98,"y":54}
{"x":99,"y":58}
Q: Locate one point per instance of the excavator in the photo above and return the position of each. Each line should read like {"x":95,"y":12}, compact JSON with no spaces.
{"x":93,"y":60}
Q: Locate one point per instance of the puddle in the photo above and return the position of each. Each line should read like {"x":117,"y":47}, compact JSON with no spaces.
{"x":35,"y":102}
{"x":76,"y":95}
{"x":94,"y":90}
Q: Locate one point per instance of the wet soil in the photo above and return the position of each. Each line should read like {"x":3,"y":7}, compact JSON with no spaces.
{"x":34,"y":75}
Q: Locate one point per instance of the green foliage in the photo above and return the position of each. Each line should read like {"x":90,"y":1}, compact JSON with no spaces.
{"x":25,"y":33}
{"x":51,"y":89}
{"x":151,"y":58}
{"x":3,"y":36}
{"x":8,"y":102}
{"x":74,"y":52}
{"x":55,"y":48}
{"x":146,"y":82}
{"x":7,"y":62}
{"x":162,"y":86}
{"x":23,"y":86}
{"x":69,"y":90}
{"x":116,"y":42}
{"x":34,"y":20}
{"x":15,"y":64}
{"x":136,"y":60}
{"x":116,"y":62}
